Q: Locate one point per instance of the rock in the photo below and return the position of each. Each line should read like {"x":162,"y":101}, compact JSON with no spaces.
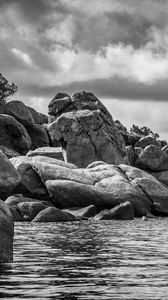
{"x":29,"y":210}
{"x":155,"y":191}
{"x":144,"y":218}
{"x":124,"y":211}
{"x":15,"y":214}
{"x":51,"y":172}
{"x":31,"y":184}
{"x":146,"y":141}
{"x":165,"y":149}
{"x":65,"y":193}
{"x":137,"y":151}
{"x":14,"y":135}
{"x":158,"y":210}
{"x":14,"y":200}
{"x":152,"y":158}
{"x":6,"y":234}
{"x":85,"y":212}
{"x":39,"y":136}
{"x":130,"y":155}
{"x":9,"y":152}
{"x":9,"y":177}
{"x":38,"y":118}
{"x":161,"y":176}
{"x":53,"y":214}
{"x":86,"y":130}
{"x":59,"y":104}
{"x":104,"y":186}
{"x":19,"y":111}
{"x":52,"y":161}
{"x":53,"y":152}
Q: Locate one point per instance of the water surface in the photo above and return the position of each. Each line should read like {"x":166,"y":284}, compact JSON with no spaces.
{"x":88,"y":260}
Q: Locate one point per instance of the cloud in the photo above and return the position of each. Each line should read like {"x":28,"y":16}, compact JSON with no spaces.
{"x":23,"y":56}
{"x":119,"y":49}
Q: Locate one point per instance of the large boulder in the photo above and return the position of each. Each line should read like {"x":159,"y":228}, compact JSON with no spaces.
{"x":31,"y":184}
{"x":53,"y":152}
{"x":48,"y":171}
{"x":59,"y":104}
{"x":53,"y":214}
{"x":6,"y":234}
{"x":14,"y":135}
{"x":9,"y":177}
{"x":152,"y":158}
{"x":146,"y":141}
{"x":161,"y":176}
{"x":85,"y":130}
{"x":19,"y":111}
{"x":124,"y":211}
{"x":39,"y":136}
{"x":9,"y":152}
{"x":102,"y":185}
{"x":38,"y":117}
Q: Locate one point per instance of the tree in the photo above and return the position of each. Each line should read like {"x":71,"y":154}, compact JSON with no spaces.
{"x":143,"y":131}
{"x":6,"y":89}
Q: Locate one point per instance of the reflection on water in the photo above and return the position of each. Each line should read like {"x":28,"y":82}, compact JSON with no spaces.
{"x":86,"y":260}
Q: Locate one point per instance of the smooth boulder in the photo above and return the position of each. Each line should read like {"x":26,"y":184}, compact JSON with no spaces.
{"x":38,"y":117}
{"x":29,"y":210}
{"x":53,"y":152}
{"x":19,"y":111}
{"x":146,"y":141}
{"x":14,"y":135}
{"x":102,"y":185}
{"x":85,"y":212}
{"x":6,"y":234}
{"x":39,"y":136}
{"x":152,"y":158}
{"x":53,"y":214}
{"x":31,"y":184}
{"x":124,"y":211}
{"x":9,"y":177}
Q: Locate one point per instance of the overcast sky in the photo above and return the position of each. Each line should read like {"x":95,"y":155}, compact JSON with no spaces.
{"x":117,"y":49}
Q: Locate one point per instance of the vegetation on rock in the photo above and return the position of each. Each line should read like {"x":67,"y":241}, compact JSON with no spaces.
{"x":144,"y":131}
{"x":6,"y":89}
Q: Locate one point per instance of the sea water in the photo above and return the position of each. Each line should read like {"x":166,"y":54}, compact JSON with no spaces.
{"x":88,"y":260}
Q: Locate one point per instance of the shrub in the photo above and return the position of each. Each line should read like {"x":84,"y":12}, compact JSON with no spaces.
{"x":6,"y":89}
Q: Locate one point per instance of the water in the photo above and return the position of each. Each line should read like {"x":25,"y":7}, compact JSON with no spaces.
{"x":87,"y":260}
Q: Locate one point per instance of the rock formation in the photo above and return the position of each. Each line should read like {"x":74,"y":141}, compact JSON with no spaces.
{"x":92,"y":174}
{"x":85,"y":129}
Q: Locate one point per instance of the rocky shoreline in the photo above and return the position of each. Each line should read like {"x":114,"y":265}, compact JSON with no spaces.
{"x":75,"y":164}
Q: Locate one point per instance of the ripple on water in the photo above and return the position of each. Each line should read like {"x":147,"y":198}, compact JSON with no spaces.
{"x":88,"y":260}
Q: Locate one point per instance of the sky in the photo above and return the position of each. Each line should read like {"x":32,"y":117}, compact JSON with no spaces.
{"x":117,"y":49}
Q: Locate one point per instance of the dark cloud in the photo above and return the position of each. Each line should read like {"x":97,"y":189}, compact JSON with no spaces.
{"x":84,"y":30}
{"x":31,"y":9}
{"x":109,"y":89}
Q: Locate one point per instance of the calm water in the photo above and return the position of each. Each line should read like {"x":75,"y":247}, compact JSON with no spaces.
{"x":106,"y":260}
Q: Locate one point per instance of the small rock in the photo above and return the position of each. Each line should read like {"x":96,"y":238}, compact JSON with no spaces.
{"x":124,"y":211}
{"x":53,"y":214}
{"x":85,"y":212}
